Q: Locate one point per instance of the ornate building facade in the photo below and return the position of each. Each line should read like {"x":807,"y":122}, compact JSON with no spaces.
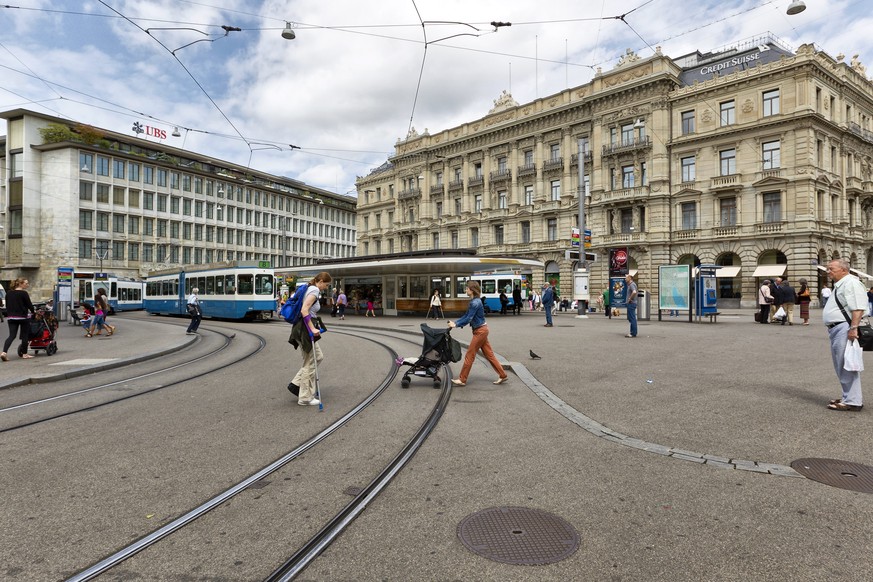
{"x":756,"y":158}
{"x":96,"y":200}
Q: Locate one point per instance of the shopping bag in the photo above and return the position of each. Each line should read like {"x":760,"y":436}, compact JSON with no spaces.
{"x":853,"y":357}
{"x":780,"y":313}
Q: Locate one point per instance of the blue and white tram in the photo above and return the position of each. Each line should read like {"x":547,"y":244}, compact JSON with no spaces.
{"x":244,"y":290}
{"x":493,"y":284}
{"x":124,"y":294}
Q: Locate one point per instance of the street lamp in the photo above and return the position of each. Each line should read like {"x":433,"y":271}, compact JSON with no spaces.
{"x":796,"y":7}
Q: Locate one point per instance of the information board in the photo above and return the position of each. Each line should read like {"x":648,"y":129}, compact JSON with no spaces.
{"x":674,"y":287}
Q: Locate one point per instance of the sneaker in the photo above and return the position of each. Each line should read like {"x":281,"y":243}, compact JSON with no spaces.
{"x":313,"y":402}
{"x":190,"y":333}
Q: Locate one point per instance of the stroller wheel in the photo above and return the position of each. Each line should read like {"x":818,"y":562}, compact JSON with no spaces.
{"x":436,"y":383}
{"x":52,"y":349}
{"x":404,"y":383}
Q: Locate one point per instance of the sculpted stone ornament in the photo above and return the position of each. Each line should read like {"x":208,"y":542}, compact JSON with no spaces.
{"x":859,"y":68}
{"x":412,"y":133}
{"x":504,"y":102}
{"x":629,"y":56}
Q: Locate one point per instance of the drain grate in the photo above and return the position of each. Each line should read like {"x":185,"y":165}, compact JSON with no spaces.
{"x":837,"y":473}
{"x":518,"y":535}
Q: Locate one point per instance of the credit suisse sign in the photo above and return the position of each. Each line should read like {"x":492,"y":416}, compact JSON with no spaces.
{"x":734,"y":62}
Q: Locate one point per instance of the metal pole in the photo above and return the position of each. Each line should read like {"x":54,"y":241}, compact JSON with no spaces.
{"x":581,"y":306}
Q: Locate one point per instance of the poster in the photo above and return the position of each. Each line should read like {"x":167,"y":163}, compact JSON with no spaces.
{"x":618,"y":262}
{"x":674,"y":287}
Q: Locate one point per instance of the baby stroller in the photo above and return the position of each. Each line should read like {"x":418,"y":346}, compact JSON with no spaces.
{"x":42,"y":332}
{"x":439,"y":348}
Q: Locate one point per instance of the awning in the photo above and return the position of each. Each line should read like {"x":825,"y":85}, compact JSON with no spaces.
{"x":728,"y":272}
{"x":632,"y":272}
{"x":862,"y":274}
{"x":822,"y":268}
{"x":769,"y":270}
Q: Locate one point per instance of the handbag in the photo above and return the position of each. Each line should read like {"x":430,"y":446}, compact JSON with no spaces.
{"x":865,"y":332}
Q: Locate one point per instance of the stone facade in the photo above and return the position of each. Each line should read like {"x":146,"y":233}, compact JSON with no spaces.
{"x":757,"y":155}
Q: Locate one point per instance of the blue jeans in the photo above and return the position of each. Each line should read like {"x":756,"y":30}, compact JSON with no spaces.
{"x":850,"y":382}
{"x":632,"y":318}
{"x":548,"y":312}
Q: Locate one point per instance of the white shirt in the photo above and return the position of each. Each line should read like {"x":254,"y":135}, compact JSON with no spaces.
{"x":313,"y":290}
{"x":192,"y":300}
{"x":852,"y":295}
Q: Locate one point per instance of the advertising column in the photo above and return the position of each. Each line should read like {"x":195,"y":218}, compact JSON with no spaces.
{"x":618,"y":269}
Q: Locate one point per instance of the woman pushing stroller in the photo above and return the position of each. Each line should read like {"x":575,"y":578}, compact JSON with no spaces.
{"x":475,"y":316}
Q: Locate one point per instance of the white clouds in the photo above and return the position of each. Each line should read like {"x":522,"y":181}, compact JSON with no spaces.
{"x":353,"y":89}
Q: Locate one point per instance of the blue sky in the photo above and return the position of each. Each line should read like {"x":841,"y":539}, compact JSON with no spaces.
{"x":343,"y":91}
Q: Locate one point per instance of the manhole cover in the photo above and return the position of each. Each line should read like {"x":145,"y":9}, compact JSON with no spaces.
{"x":837,"y":473}
{"x":518,"y":535}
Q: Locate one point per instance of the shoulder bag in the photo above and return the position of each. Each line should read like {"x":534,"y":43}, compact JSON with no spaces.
{"x":865,"y":331}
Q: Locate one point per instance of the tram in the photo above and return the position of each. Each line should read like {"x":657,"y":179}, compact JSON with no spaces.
{"x":493,"y":284}
{"x":124,"y":294}
{"x":242,"y":290}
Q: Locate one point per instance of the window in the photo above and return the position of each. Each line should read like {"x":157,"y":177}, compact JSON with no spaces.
{"x":727,"y":208}
{"x":613,"y":135}
{"x":435,"y":240}
{"x":554,"y":152}
{"x":186,"y":206}
{"x":455,"y":241}
{"x":103,"y":193}
{"x":525,"y":231}
{"x":501,"y":165}
{"x":627,"y":134}
{"x":148,"y":177}
{"x":477,"y":204}
{"x":175,"y":229}
{"x":186,"y":183}
{"x":102,"y":166}
{"x":118,"y":169}
{"x":118,"y":250}
{"x":770,"y":153}
{"x":133,"y":198}
{"x":148,"y":226}
{"x":118,"y":223}
{"x":772,"y":206}
{"x":474,"y":237}
{"x":687,"y":122}
{"x":103,"y":221}
{"x":627,"y":220}
{"x":162,"y":202}
{"x":86,"y":248}
{"x":133,"y":173}
{"x":688,"y":169}
{"x":439,"y":213}
{"x":583,"y":145}
{"x":501,"y":199}
{"x":162,"y":177}
{"x":528,"y":157}
{"x":439,"y":178}
{"x":555,"y":189}
{"x":689,"y":215}
{"x":627,"y":176}
{"x":612,"y":178}
{"x":644,"y":177}
{"x":477,"y":171}
{"x":118,"y":195}
{"x":162,"y":228}
{"x":132,"y":225}
{"x":174,"y":180}
{"x":411,"y":217}
{"x":728,"y":113}
{"x":528,"y":194}
{"x":174,"y":204}
{"x":133,"y":251}
{"x":728,"y":162}
{"x":86,"y":163}
{"x":186,"y":231}
{"x":498,"y":234}
{"x":86,"y":191}
{"x":148,"y":201}
{"x":86,"y":220}
{"x":771,"y":102}
{"x":552,"y":229}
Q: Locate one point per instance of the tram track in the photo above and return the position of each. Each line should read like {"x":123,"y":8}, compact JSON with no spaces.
{"x":297,"y":561}
{"x":124,"y":381}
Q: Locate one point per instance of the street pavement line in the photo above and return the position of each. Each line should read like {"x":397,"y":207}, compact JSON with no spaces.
{"x":612,"y":436}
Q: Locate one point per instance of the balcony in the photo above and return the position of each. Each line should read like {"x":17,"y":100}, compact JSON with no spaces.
{"x":574,"y":159}
{"x":456,"y":184}
{"x":771,"y":173}
{"x":475,"y":181}
{"x":500,"y":176}
{"x":864,"y":134}
{"x":436,"y":190}
{"x":622,"y":237}
{"x":547,"y":205}
{"x":689,"y":234}
{"x":626,"y":194}
{"x":729,"y":182}
{"x":768,"y":227}
{"x":527,"y":170}
{"x":854,"y":183}
{"x":627,"y":145}
{"x":553,"y":164}
{"x":410,"y":193}
{"x":726,"y":231}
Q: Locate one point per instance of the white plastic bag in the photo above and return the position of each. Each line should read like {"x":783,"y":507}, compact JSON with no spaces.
{"x":853,"y":357}
{"x":780,"y":313}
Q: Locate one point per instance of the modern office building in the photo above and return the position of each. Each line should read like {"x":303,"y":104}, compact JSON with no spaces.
{"x":100,"y":201}
{"x":754,"y":157}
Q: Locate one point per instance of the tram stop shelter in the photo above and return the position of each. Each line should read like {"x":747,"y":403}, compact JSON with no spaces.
{"x":403,"y":283}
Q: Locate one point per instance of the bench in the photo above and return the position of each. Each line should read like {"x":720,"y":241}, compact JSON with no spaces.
{"x":75,"y":316}
{"x":713,"y":317}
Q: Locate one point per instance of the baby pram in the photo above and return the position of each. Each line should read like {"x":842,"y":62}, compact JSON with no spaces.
{"x":42,"y":332}
{"x":438,"y":348}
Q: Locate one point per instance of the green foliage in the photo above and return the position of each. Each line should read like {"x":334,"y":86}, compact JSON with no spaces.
{"x":55,"y":132}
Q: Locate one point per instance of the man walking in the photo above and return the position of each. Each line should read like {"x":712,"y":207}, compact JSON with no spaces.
{"x":789,"y":298}
{"x":516,"y":300}
{"x":849,"y":297}
{"x":631,"y":305}
{"x":548,"y":303}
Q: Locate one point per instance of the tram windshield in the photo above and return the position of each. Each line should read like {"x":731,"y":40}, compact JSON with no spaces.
{"x":263,"y":284}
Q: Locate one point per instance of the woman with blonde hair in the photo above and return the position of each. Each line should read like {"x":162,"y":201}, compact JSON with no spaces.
{"x":19,"y":310}
{"x":307,"y":333}
{"x":475,"y":316}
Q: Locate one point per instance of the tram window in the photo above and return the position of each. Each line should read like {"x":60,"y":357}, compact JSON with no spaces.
{"x":113,"y":290}
{"x":418,"y":286}
{"x":504,"y":285}
{"x":229,"y":284}
{"x":88,"y":293}
{"x":201,"y":283}
{"x":210,"y":286}
{"x":263,"y":284}
{"x":246,"y":285}
{"x":436,"y":283}
{"x":402,"y":287}
{"x":165,"y":288}
{"x":461,"y":286}
{"x":488,"y":286}
{"x":175,"y":285}
{"x":188,"y":286}
{"x":446,"y":287}
{"x":219,"y":285}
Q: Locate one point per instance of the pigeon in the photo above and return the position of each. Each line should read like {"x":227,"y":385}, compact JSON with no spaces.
{"x":533,"y":356}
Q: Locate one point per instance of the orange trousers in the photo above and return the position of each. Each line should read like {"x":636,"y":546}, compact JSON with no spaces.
{"x":480,"y":342}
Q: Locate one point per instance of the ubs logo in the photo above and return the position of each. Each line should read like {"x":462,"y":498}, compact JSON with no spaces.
{"x":139,"y":128}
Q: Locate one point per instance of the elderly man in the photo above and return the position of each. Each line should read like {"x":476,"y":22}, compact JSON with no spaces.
{"x":849,"y":297}
{"x":631,"y":305}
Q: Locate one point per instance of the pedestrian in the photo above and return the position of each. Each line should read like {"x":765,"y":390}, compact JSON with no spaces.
{"x":341,"y":302}
{"x":765,"y":300}
{"x":825,"y":294}
{"x":789,"y":298}
{"x":333,"y":297}
{"x":307,"y":331}
{"x":870,"y":302}
{"x":475,"y":316}
{"x":194,"y":311}
{"x":98,"y":321}
{"x":2,"y":301}
{"x":516,"y":300}
{"x":605,"y":299}
{"x":504,"y":302}
{"x":548,"y":302}
{"x":85,"y":320}
{"x":776,"y":293}
{"x":631,"y":305}
{"x":849,"y":297}
{"x":370,"y":305}
{"x":436,"y":305}
{"x":803,"y":301}
{"x":19,"y":310}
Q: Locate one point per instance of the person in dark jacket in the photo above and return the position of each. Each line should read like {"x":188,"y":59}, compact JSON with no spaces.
{"x":776,"y":293}
{"x":19,"y":310}
{"x":803,"y":298}
{"x":789,"y":298}
{"x":504,"y":302}
{"x":516,"y":300}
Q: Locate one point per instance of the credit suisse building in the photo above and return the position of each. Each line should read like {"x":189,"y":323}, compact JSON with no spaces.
{"x":756,"y":157}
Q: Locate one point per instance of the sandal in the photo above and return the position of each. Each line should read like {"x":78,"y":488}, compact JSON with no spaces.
{"x":835,"y":401}
{"x":25,"y":356}
{"x":4,"y":357}
{"x":844,"y":407}
{"x":87,"y":334}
